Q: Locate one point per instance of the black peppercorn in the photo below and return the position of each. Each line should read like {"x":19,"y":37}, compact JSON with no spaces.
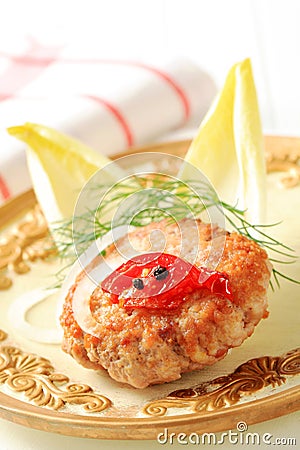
{"x":160,"y":273}
{"x":138,"y":283}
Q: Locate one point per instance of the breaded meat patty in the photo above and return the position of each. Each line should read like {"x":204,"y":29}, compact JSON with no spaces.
{"x":144,"y":346}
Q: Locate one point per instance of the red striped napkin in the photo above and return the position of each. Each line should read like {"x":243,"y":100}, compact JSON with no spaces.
{"x":111,"y":105}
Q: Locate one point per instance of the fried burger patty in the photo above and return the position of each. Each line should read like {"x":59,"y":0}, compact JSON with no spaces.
{"x":143,"y":346}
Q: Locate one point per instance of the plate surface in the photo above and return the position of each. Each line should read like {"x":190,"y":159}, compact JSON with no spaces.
{"x":43,"y":388}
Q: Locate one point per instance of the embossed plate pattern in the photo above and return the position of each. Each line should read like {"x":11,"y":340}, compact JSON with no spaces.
{"x":42,"y":388}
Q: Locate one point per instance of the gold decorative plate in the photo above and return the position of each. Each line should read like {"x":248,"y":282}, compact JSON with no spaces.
{"x":41,"y":387}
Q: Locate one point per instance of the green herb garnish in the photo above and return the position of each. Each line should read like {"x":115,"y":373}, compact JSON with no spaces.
{"x":154,"y":199}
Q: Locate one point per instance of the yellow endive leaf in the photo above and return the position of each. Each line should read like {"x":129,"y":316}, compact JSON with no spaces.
{"x":249,"y":145}
{"x":59,"y":167}
{"x":228,"y":147}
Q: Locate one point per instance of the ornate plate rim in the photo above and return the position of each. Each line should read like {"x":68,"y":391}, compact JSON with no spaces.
{"x":254,"y":411}
{"x":147,"y":428}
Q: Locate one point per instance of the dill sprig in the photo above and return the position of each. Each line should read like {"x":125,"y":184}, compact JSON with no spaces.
{"x":151,"y":199}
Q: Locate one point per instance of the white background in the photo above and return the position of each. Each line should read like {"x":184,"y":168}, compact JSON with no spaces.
{"x":213,"y":33}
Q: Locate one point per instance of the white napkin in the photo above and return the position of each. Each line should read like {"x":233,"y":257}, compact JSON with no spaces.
{"x":110,"y":105}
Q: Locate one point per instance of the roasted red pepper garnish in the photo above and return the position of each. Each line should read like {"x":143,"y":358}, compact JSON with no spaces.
{"x":160,"y":280}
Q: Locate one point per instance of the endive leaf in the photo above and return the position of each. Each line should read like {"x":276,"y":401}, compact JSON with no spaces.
{"x":59,"y":167}
{"x":228,"y":147}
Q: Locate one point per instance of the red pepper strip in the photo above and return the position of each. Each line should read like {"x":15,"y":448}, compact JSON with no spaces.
{"x":168,"y":293}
